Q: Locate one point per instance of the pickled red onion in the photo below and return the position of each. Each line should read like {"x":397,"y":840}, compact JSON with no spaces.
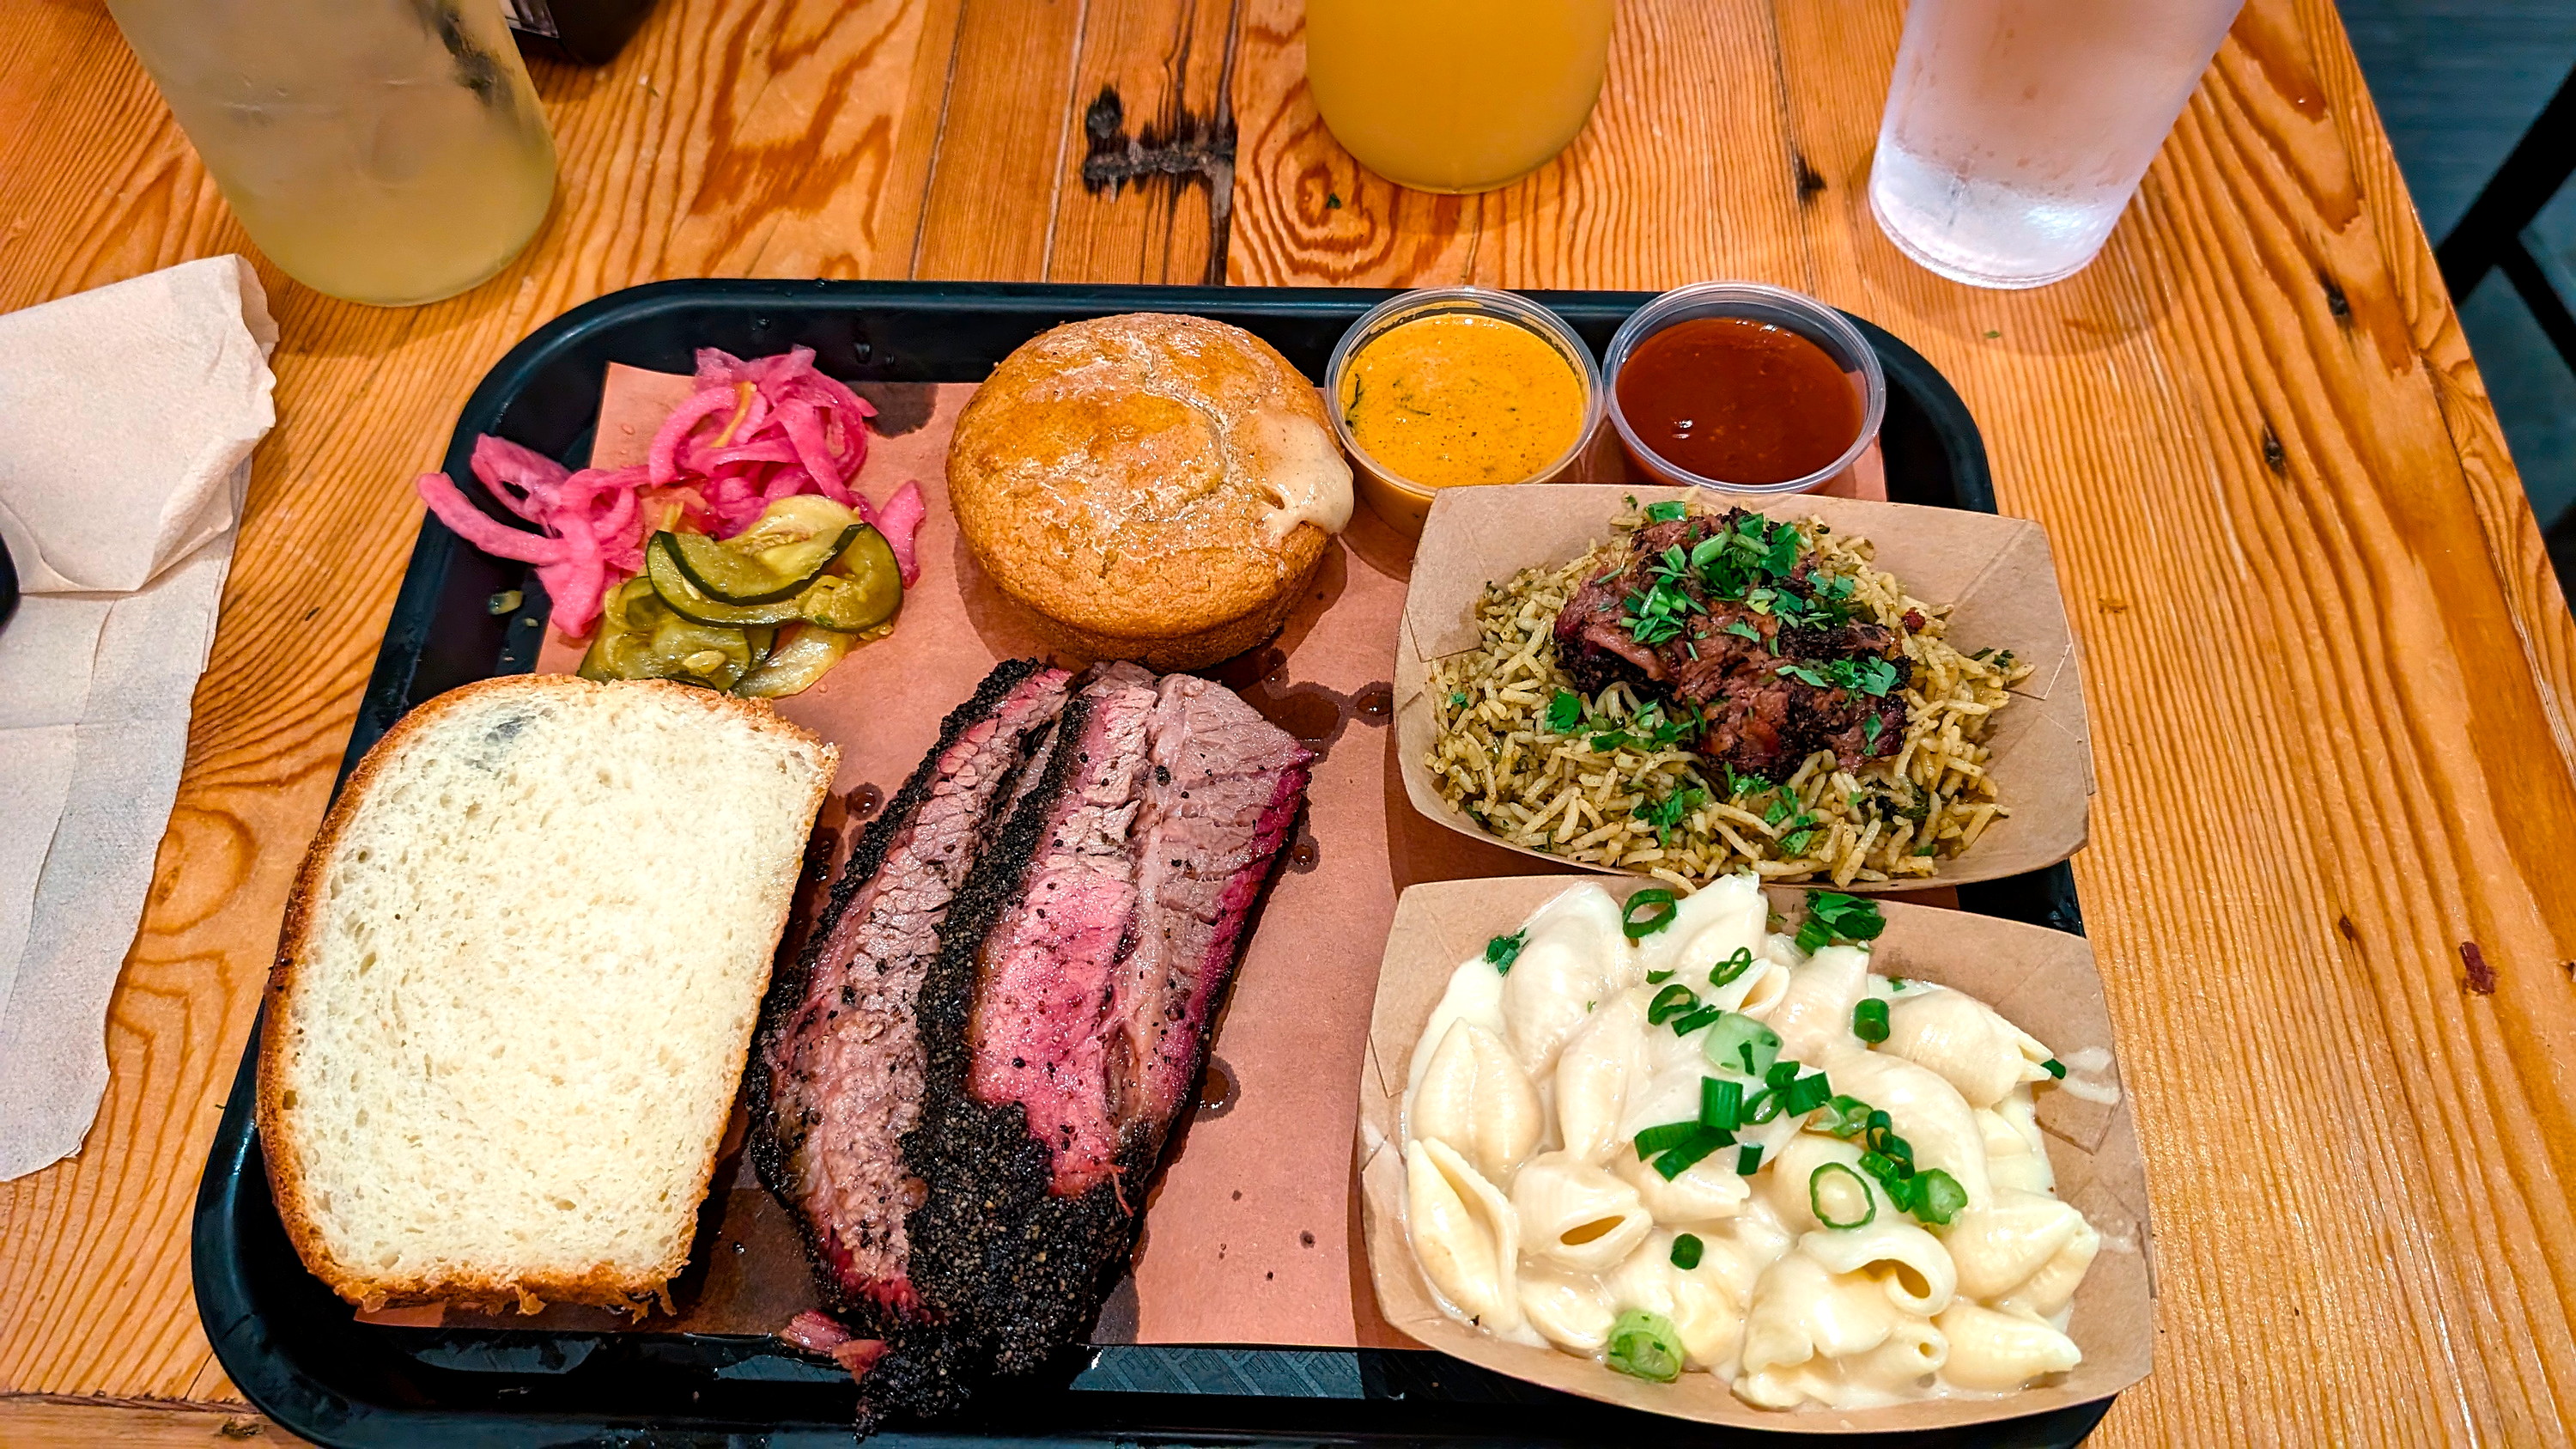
{"x":899,"y":521}
{"x":755,"y":431}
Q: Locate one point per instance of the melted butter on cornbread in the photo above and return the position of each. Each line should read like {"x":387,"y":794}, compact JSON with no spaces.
{"x":1301,"y":464}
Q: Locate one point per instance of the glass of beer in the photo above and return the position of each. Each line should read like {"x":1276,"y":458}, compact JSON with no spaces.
{"x":383,"y":151}
{"x":2017,"y":130}
{"x":1455,"y":95}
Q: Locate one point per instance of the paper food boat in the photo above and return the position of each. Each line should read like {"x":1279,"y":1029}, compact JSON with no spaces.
{"x":2041,"y":980}
{"x":1994,"y":572}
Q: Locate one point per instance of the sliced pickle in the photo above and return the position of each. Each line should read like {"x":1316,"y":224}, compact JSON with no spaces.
{"x":842,"y":602}
{"x":662,"y":566}
{"x":805,"y":653}
{"x":695,"y":653}
{"x":868,"y":561}
{"x":626,"y":620}
{"x":737,"y":571}
{"x":641,"y":639}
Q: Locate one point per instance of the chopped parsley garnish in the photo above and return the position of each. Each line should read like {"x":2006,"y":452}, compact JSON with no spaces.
{"x":1458,"y":700}
{"x":1657,"y":614}
{"x":1502,"y":951}
{"x":1667,"y":512}
{"x":1871,"y":728}
{"x":1743,"y":629}
{"x":1666,"y":815}
{"x":1564,"y":712}
{"x":1832,"y":916}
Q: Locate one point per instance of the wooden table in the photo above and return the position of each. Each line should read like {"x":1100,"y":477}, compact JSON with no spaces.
{"x":2334,"y":680}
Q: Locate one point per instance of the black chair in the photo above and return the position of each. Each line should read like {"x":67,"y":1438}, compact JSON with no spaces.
{"x":2489,"y":234}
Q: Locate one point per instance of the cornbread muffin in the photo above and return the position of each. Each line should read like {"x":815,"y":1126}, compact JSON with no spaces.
{"x":1151,"y":487}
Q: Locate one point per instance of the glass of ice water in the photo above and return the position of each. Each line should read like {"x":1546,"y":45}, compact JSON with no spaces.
{"x":2017,"y":130}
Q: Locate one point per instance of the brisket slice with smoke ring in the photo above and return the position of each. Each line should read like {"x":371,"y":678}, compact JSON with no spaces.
{"x":838,"y":1077}
{"x":1069,"y":1011}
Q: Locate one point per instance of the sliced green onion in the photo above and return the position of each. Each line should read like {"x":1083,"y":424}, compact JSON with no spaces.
{"x":1686,"y":1251}
{"x":1670,"y":1002}
{"x":1685,"y":1025}
{"x":1643,"y":1345}
{"x":1647,"y":912}
{"x":1805,"y":1094}
{"x":1658,"y":978}
{"x":1732,"y":967}
{"x":1762,"y":1106}
{"x":1821,"y":1179}
{"x":2054,"y":1068}
{"x":1502,"y":951}
{"x":1938,"y":1197}
{"x":1848,"y":1117}
{"x":1721,"y":1103}
{"x":1681,"y":1159}
{"x":1742,"y":1044}
{"x":1748,"y":1159}
{"x":1780,"y":1074}
{"x":1665,"y":1137}
{"x":1869,"y":1019}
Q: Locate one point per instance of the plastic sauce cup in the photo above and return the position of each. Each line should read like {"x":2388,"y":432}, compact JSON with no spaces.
{"x":1796,"y":312}
{"x":1402,"y":502}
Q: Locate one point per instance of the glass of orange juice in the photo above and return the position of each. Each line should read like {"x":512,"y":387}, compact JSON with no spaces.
{"x":1456,"y":95}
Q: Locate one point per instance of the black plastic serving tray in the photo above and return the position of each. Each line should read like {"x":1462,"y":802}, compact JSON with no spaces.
{"x":295,"y":1350}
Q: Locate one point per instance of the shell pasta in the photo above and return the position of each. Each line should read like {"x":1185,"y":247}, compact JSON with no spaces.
{"x":1669,"y":1138}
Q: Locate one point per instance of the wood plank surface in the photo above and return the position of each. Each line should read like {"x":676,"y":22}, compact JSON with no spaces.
{"x":30,"y":1422}
{"x":2335,"y":680}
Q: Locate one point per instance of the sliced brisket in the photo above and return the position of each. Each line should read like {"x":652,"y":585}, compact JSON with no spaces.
{"x":965,"y":1087}
{"x":1068,"y":1015}
{"x":838,"y":1076}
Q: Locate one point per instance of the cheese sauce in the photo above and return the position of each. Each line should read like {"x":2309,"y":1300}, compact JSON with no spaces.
{"x":1456,"y":400}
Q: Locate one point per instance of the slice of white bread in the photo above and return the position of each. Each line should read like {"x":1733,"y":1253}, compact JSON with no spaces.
{"x":517,"y":983}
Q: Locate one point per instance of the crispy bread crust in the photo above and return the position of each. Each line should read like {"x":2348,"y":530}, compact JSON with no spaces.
{"x":1110,"y":478}
{"x":283,"y":1151}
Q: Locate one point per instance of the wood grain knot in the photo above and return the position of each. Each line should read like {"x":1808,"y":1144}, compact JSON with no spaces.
{"x":1183,"y":148}
{"x":2336,"y":302}
{"x":2274,"y":456}
{"x":1809,"y":181}
{"x":2482,"y":978}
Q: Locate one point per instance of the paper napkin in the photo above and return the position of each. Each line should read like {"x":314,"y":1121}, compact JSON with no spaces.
{"x":127,"y":418}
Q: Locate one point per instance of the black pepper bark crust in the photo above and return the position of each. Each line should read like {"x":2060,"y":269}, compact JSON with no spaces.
{"x":769,"y":1138}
